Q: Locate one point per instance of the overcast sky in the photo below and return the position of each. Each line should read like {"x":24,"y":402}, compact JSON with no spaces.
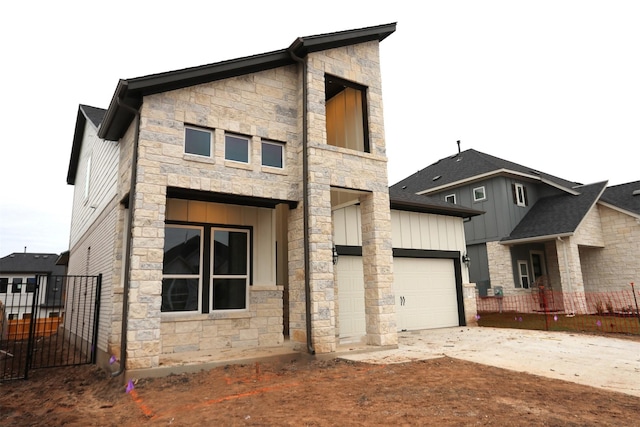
{"x":554,"y":85}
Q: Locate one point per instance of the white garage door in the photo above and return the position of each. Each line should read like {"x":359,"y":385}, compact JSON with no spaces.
{"x":351,"y":316}
{"x":425,"y":291}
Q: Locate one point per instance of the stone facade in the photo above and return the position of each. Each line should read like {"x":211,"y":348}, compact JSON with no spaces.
{"x":613,"y":266}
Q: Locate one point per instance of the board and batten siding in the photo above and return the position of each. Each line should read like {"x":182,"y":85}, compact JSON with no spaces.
{"x":409,"y":230}
{"x":262,"y":221}
{"x":102,"y":175}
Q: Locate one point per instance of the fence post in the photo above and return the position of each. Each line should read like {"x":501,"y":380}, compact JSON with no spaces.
{"x":32,"y":326}
{"x":633,"y":291}
{"x":96,"y":314}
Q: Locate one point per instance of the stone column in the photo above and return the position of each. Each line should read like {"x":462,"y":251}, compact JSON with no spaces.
{"x":377,"y":260}
{"x":571,"y":281}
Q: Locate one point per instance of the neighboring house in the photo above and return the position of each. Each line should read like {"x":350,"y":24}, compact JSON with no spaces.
{"x":538,"y":228}
{"x":19,"y":274}
{"x":216,"y":201}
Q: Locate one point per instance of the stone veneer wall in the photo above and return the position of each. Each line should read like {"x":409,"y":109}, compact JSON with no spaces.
{"x":614,"y":266}
{"x":334,"y":166}
{"x":501,"y":268}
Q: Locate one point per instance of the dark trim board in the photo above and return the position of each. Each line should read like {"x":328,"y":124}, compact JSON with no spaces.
{"x":427,"y":254}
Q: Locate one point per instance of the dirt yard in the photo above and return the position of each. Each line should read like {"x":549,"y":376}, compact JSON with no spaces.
{"x":443,"y":392}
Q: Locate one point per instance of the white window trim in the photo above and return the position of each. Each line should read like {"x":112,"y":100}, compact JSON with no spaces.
{"x":484,"y":194}
{"x":542,"y":264}
{"x":282,"y":149}
{"x":521,"y":276}
{"x":188,"y":276}
{"x":450,"y":195}
{"x":248,"y":162}
{"x":246,"y":276}
{"x":184,"y":144}
{"x":520,"y":200}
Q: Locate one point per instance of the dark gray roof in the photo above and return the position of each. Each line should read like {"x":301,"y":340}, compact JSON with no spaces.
{"x":128,"y":94}
{"x":95,"y":116}
{"x":623,"y":196}
{"x":557,"y":215}
{"x":407,"y":201}
{"x":464,"y":166}
{"x":30,"y":263}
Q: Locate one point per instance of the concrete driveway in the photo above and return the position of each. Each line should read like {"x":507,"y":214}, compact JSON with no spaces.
{"x":608,"y":363}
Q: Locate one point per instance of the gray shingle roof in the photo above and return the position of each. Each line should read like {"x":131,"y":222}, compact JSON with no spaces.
{"x":20,"y":262}
{"x":95,"y":115}
{"x":623,"y":196}
{"x":557,"y":215}
{"x":466,"y":165}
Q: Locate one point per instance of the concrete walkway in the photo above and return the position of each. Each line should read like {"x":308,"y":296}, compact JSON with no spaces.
{"x":609,"y":363}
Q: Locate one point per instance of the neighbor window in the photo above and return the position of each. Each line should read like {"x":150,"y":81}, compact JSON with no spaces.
{"x":519,"y":195}
{"x":197,"y":141}
{"x":272,"y":154}
{"x":4,"y":284}
{"x":193,"y":254}
{"x":26,"y":316}
{"x":523,"y":270}
{"x":346,"y":114}
{"x":31,"y":284}
{"x":16,"y":285}
{"x":181,"y":272}
{"x":479,"y":194}
{"x":13,"y":316}
{"x":451,"y":198}
{"x":236,"y":148}
{"x":87,"y":179}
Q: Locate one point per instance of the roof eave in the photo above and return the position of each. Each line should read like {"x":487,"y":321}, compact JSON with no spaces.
{"x":78,"y":134}
{"x":432,"y":209}
{"x":534,"y":239}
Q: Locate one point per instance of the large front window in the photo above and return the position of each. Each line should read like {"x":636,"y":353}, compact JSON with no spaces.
{"x":181,"y":269}
{"x":228,"y":267}
{"x":230,"y":277}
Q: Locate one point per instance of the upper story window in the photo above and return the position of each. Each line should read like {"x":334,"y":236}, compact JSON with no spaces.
{"x":451,"y":198}
{"x":519,"y":195}
{"x":236,"y":148}
{"x":346,"y":109}
{"x":4,"y":284}
{"x":197,"y":141}
{"x":87,"y":179}
{"x":31,"y":284}
{"x":16,"y":285}
{"x":479,"y":194}
{"x":272,"y":154}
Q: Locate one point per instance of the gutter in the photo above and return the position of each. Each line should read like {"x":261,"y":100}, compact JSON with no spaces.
{"x":305,"y":194}
{"x":127,"y":259}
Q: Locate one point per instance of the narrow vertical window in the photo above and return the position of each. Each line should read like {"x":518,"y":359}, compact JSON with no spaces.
{"x":230,"y":278}
{"x":181,"y":268}
{"x":87,"y":179}
{"x":523,"y":270}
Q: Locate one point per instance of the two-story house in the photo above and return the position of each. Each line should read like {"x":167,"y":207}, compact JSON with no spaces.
{"x":537,"y":228}
{"x":243,"y":203}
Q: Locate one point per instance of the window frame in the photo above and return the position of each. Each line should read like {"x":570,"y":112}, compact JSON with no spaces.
{"x":187,"y":276}
{"x":4,"y":285}
{"x":527,"y":275}
{"x":247,"y":275}
{"x":281,"y":145}
{"x":331,"y":84}
{"x":16,"y":283}
{"x":237,"y":136}
{"x":520,"y":195}
{"x":446,"y":198}
{"x":198,"y":129}
{"x":87,"y":180}
{"x":484,"y":194}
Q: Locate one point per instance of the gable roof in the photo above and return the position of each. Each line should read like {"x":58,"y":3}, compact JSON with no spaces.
{"x":407,"y":201}
{"x":85,"y":113}
{"x":28,"y":263}
{"x":556,"y":216}
{"x":624,"y":196}
{"x":471,"y":165}
{"x":128,"y":95}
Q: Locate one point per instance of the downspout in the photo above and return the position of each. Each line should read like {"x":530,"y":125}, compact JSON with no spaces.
{"x":127,"y":260}
{"x":305,"y":198}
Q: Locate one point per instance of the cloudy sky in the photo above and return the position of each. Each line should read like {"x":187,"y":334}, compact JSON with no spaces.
{"x":554,"y":85}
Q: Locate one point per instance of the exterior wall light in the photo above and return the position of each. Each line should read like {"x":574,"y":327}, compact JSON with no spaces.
{"x":334,"y":252}
{"x":466,"y":260}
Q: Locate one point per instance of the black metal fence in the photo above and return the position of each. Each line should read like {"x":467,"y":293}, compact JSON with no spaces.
{"x":48,"y":321}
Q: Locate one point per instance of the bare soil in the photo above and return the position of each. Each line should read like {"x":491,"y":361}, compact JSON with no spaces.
{"x":443,"y":392}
